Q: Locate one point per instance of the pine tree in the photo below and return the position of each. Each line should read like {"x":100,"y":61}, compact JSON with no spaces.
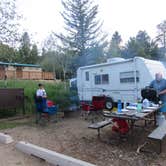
{"x":141,"y":45}
{"x":161,"y":38}
{"x":25,"y":48}
{"x":8,"y":22}
{"x":114,"y":48}
{"x":82,"y":27}
{"x":34,"y":54}
{"x":28,"y":53}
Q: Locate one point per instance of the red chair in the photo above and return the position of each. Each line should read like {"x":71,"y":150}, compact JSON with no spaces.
{"x":96,"y":107}
{"x":98,"y":102}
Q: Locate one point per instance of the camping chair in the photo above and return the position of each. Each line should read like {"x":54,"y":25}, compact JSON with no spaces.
{"x":98,"y":104}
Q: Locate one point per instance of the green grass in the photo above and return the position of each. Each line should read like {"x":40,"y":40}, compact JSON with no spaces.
{"x":10,"y":125}
{"x":58,"y":92}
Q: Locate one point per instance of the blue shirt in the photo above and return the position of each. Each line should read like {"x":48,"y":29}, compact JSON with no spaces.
{"x":159,"y":86}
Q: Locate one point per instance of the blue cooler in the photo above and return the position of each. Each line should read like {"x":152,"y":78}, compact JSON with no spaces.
{"x":51,"y":110}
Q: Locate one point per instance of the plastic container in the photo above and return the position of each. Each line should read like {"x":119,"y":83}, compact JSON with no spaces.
{"x":139,"y":107}
{"x":145,"y":103}
{"x":124,"y":105}
{"x":51,"y":110}
{"x":119,"y":106}
{"x":160,"y":118}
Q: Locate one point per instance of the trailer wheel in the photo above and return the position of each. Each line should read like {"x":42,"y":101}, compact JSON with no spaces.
{"x":109,"y":104}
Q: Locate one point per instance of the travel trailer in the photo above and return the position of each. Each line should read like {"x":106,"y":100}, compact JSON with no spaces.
{"x":118,"y":79}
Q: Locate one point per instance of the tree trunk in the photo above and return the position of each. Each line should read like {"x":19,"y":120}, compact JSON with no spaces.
{"x":64,"y":74}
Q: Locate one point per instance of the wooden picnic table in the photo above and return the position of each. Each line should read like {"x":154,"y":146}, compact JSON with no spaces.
{"x":148,"y":114}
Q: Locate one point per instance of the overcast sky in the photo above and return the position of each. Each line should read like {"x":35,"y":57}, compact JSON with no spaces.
{"x":125,"y":16}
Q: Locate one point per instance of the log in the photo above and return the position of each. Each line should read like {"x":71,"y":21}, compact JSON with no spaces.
{"x":6,"y":139}
{"x":49,"y":156}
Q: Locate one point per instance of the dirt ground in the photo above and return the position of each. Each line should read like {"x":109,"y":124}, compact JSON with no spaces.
{"x":71,"y":136}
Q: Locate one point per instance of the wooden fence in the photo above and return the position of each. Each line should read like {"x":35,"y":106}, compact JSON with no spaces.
{"x":12,"y":98}
{"x":27,"y":75}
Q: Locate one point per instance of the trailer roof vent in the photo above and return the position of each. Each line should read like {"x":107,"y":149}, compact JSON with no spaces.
{"x":113,"y":60}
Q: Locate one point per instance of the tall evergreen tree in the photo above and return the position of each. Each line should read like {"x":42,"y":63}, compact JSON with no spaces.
{"x":114,"y":49}
{"x":25,"y":49}
{"x":34,"y":54}
{"x":130,"y":49}
{"x":8,"y":22}
{"x":161,"y":38}
{"x":81,"y":25}
{"x":141,"y":45}
{"x":27,"y":55}
{"x":7,"y":53}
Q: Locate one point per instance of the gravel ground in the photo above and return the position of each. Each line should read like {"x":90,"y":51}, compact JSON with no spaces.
{"x":71,"y":136}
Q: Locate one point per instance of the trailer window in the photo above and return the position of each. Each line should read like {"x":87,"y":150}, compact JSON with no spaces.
{"x":105,"y":79}
{"x":101,"y":79}
{"x":97,"y":79}
{"x":87,"y":76}
{"x":128,"y":77}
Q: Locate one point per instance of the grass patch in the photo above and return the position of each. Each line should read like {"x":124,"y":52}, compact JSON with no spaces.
{"x":10,"y":125}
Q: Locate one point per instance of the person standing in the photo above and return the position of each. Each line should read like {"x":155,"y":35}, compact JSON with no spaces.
{"x":40,"y":101}
{"x":41,"y":91}
{"x":159,"y":84}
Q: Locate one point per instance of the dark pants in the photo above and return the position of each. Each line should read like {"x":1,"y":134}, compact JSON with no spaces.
{"x":40,"y":107}
{"x":38,"y":116}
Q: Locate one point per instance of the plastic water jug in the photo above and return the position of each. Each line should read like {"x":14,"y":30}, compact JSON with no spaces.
{"x":119,"y":106}
{"x":139,"y":107}
{"x":124,"y":105}
{"x":145,"y":103}
{"x":160,"y":118}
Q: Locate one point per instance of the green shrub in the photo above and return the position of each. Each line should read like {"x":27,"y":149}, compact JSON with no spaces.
{"x":57,"y":92}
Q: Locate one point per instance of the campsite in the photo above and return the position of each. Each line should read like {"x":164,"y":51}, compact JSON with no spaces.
{"x":69,"y":134}
{"x":82,"y":83}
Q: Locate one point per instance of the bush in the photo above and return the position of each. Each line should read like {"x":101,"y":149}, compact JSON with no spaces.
{"x":57,"y":92}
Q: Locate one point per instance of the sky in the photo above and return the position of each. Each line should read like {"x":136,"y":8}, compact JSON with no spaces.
{"x":40,"y":17}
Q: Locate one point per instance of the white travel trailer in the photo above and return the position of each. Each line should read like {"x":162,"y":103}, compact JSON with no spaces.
{"x":117,"y":79}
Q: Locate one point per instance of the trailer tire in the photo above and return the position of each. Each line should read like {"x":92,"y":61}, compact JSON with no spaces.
{"x":109,"y":104}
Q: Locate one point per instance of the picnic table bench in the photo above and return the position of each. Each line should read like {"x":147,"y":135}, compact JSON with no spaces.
{"x":158,"y":134}
{"x":100,"y":125}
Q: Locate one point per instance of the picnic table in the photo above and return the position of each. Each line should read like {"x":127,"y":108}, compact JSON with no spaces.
{"x":131,"y":115}
{"x":148,"y":114}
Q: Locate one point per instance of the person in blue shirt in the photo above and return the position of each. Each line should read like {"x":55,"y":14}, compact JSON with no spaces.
{"x":159,"y":84}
